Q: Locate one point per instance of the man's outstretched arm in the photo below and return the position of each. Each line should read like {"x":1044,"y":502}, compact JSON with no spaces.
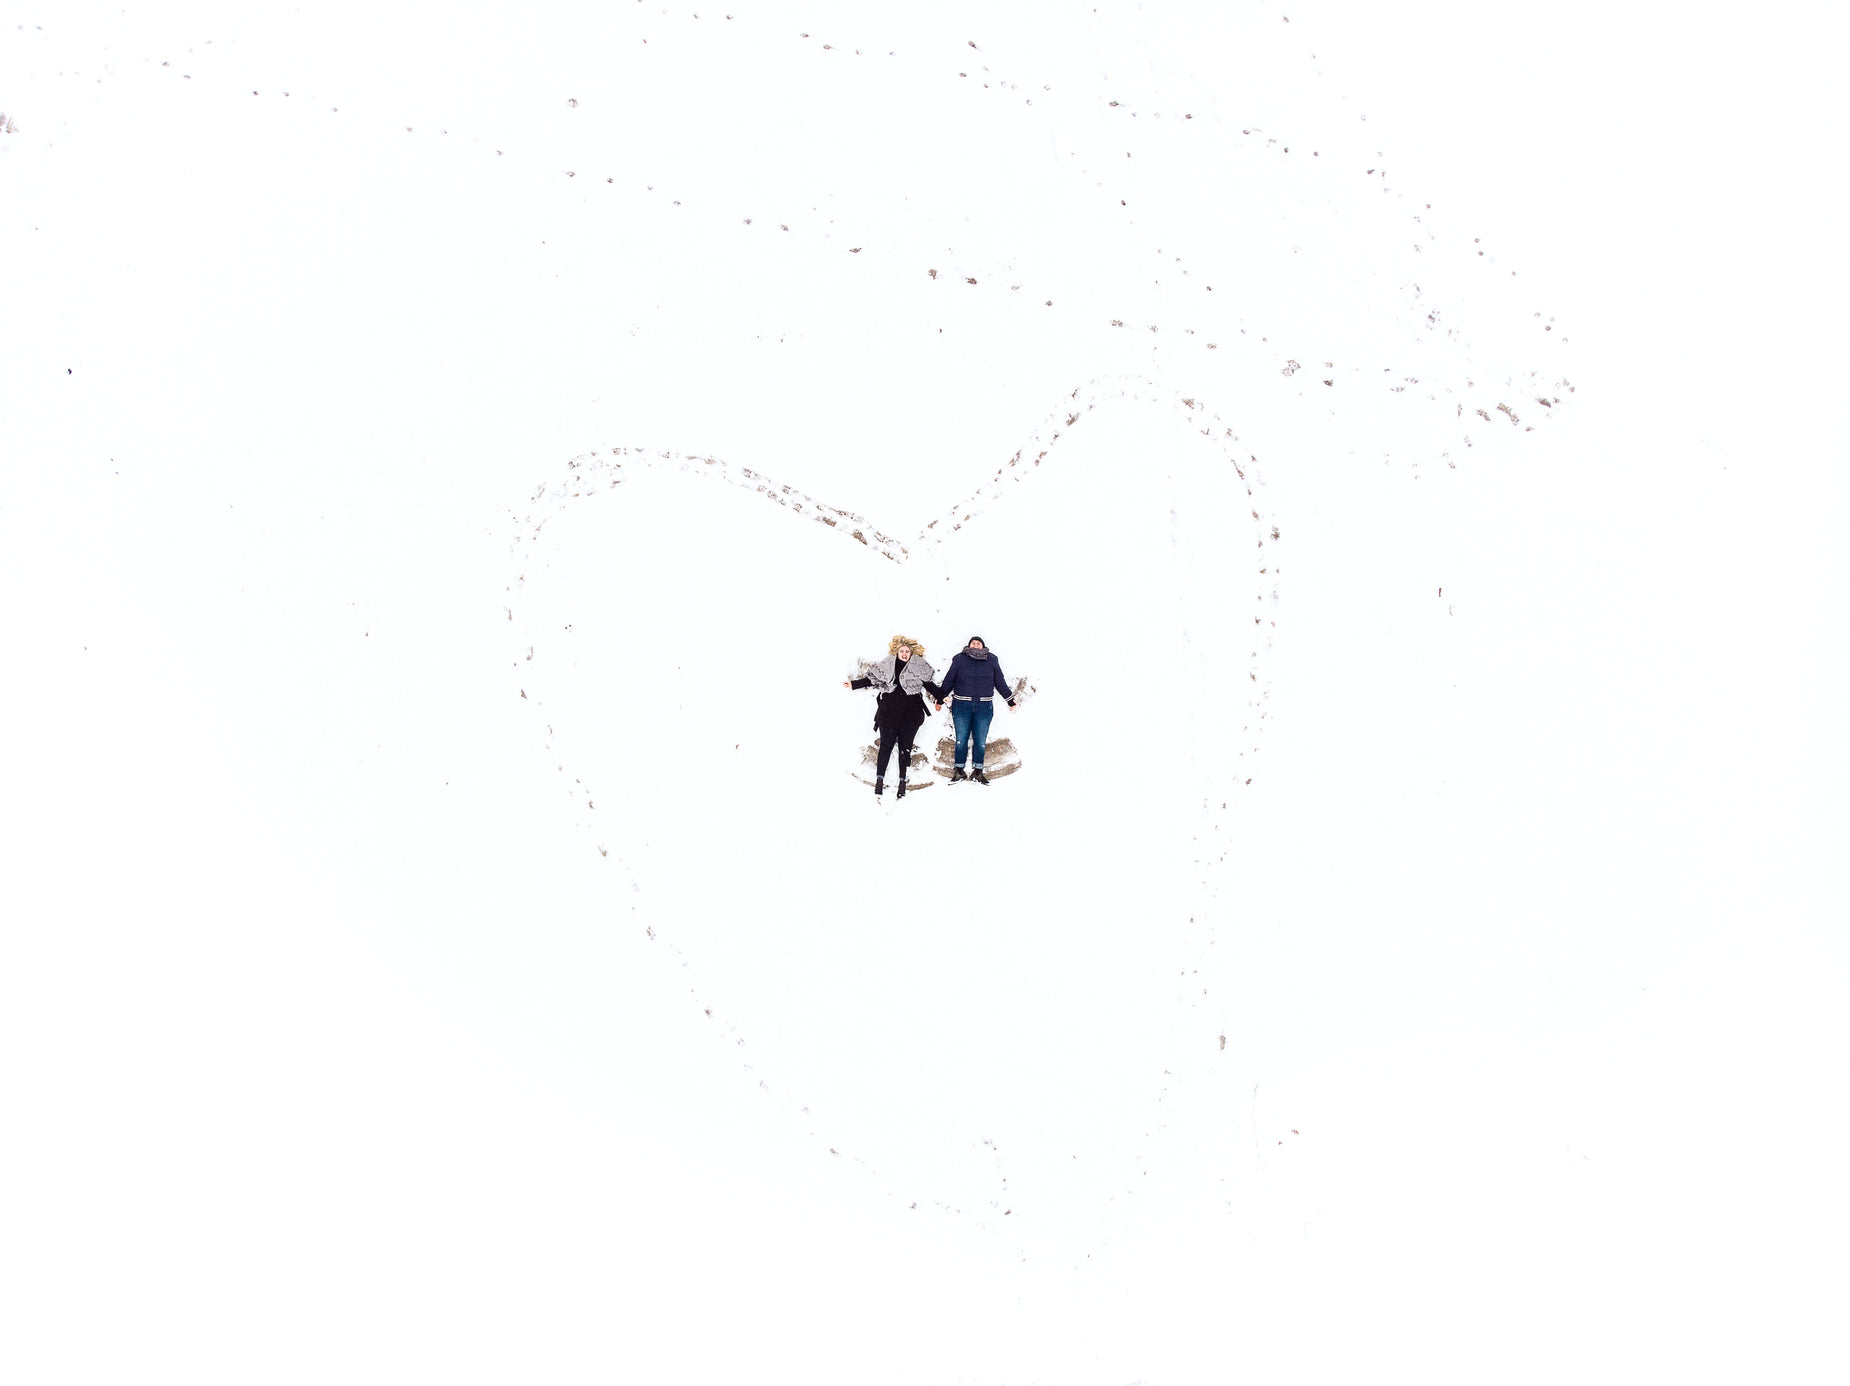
{"x":1002,"y":685}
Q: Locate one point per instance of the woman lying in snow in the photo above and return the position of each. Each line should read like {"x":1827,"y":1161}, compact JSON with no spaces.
{"x":903,"y":680}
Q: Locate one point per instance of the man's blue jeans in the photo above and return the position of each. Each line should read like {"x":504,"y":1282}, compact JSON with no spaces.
{"x":971,"y":719}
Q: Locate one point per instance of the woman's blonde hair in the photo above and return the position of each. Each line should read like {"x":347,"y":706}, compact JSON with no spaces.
{"x":892,"y":646}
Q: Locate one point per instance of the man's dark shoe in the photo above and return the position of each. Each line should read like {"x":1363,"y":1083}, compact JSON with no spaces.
{"x":978,"y":775}
{"x":957,"y":773}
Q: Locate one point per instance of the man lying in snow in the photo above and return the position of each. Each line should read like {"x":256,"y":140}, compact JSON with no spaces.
{"x":971,"y":684}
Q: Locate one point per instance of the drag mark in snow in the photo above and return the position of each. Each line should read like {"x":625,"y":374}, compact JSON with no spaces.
{"x":959,"y":70}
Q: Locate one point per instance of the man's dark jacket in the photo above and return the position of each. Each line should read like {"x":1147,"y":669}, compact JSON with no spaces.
{"x":972,"y":677}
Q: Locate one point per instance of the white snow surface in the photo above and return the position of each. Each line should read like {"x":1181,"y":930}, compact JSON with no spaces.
{"x":452,"y":461}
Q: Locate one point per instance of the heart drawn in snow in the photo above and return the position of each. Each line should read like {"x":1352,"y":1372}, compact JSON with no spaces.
{"x":976,"y":996}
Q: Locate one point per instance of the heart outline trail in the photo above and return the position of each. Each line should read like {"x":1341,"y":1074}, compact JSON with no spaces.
{"x":591,"y":474}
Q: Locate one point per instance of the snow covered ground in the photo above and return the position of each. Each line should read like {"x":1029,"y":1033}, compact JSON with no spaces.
{"x":451,"y":462}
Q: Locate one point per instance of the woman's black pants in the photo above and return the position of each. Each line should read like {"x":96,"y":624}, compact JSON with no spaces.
{"x":891,"y":737}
